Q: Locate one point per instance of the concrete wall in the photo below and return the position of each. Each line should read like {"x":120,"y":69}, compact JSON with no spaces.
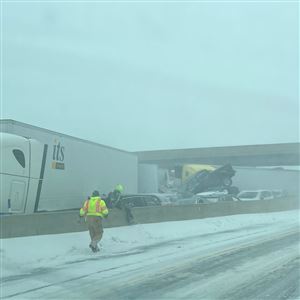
{"x":63,"y":222}
{"x":52,"y":223}
{"x":271,"y":179}
{"x":199,"y":211}
{"x":147,"y":178}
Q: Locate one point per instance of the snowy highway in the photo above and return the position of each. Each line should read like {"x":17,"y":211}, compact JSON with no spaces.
{"x":235,"y":257}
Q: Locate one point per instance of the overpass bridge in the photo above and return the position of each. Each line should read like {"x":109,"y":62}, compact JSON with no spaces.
{"x":284,"y":154}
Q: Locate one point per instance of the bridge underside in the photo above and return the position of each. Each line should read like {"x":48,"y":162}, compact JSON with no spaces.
{"x":254,"y":155}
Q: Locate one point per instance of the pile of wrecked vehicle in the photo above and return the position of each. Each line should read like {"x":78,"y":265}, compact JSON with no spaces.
{"x":208,"y":186}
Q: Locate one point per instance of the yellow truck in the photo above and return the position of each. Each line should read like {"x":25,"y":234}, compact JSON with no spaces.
{"x":188,"y":170}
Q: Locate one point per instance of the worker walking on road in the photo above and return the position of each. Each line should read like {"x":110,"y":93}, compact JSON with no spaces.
{"x":94,"y":209}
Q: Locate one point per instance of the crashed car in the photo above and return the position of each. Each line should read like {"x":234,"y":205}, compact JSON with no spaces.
{"x":256,"y":195}
{"x":219,"y":179}
{"x":139,"y":200}
{"x":212,"y":197}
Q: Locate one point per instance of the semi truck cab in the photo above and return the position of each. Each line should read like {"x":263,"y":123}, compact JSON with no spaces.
{"x":20,"y":174}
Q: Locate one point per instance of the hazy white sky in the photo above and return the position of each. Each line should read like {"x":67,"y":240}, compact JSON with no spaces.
{"x":142,"y":75}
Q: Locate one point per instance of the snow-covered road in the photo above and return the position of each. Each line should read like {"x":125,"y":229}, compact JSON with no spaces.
{"x":235,"y":257}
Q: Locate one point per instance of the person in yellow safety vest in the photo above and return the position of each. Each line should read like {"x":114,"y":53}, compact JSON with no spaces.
{"x":94,"y":210}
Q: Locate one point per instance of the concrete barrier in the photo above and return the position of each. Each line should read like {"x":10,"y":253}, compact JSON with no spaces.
{"x":52,"y":223}
{"x":67,"y":221}
{"x":198,"y":211}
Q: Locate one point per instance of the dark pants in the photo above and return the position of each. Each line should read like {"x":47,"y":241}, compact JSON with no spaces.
{"x":95,"y":228}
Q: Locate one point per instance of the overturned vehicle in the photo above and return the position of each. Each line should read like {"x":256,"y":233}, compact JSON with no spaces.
{"x":205,"y":180}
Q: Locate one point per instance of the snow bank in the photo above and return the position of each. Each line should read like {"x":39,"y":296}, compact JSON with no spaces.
{"x":25,"y":253}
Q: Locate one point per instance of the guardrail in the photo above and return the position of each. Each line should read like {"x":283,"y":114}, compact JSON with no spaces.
{"x":68,"y":221}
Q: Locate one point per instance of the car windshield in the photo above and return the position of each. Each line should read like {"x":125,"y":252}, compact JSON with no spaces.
{"x":248,"y":195}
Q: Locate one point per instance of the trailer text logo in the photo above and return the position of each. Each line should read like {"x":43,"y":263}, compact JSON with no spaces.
{"x":58,"y":156}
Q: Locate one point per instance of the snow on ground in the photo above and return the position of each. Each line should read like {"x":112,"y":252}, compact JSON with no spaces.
{"x":20,"y":255}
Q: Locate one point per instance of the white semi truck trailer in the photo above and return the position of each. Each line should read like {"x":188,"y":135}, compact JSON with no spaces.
{"x":42,"y":170}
